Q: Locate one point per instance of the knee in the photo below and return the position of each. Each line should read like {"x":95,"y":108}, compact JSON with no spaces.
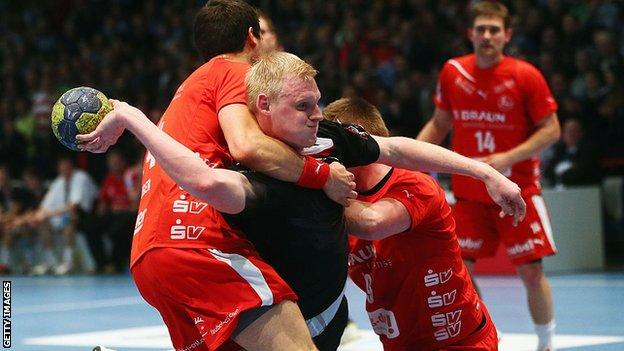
{"x":532,"y":275}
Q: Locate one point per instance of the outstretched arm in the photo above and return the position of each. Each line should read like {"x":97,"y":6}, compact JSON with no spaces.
{"x":417,"y":155}
{"x":223,"y":189}
{"x":376,"y":221}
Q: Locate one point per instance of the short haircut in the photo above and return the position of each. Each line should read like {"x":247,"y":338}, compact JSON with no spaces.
{"x":267,"y":75}
{"x":221,"y":27}
{"x":490,"y":9}
{"x":356,"y":110}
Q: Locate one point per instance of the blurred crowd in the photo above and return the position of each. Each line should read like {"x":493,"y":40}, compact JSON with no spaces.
{"x":388,"y":51}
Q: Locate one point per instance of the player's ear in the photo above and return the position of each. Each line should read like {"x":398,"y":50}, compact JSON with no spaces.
{"x":263,"y":104}
{"x":251,"y":40}
{"x":508,"y":34}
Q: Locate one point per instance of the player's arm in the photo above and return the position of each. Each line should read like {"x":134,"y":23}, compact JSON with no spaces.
{"x":437,"y":128}
{"x":547,"y":132}
{"x":223,"y":189}
{"x":250,"y":146}
{"x":376,"y":221}
{"x":417,"y":155}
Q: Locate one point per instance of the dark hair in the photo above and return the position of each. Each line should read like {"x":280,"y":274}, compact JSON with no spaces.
{"x":221,"y":27}
{"x":490,"y":9}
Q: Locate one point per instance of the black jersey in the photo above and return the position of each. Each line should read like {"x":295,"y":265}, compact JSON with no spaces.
{"x":301,"y":232}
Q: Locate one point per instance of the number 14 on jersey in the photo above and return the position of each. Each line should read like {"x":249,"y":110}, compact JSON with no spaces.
{"x":485,"y":141}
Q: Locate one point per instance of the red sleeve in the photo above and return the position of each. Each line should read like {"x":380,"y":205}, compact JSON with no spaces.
{"x":231,"y":87}
{"x":538,"y":100}
{"x":440,"y":99}
{"x":418,"y":205}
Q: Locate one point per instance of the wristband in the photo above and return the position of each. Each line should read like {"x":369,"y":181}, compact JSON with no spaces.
{"x":314,"y":175}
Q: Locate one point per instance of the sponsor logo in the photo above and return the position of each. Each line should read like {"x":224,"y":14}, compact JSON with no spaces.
{"x":362,"y":255}
{"x":357,"y":130}
{"x":449,"y":332}
{"x":183,"y":206}
{"x":508,"y":84}
{"x":139,"y":221}
{"x":384,"y":323}
{"x":408,"y":194}
{"x":227,"y":320}
{"x":444,"y":319}
{"x":505,"y":103}
{"x":435,"y":300}
{"x":146,"y":187}
{"x":433,"y":279}
{"x":470,"y":244}
{"x":527,"y":246}
{"x":479,"y":116}
{"x":181,"y":232}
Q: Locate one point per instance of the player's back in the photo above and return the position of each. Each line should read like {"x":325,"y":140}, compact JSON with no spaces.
{"x":416,"y":280}
{"x":169,"y":216}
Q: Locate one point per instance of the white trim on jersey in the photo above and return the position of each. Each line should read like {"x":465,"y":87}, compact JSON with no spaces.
{"x":247,"y":271}
{"x":542,"y":213}
{"x":462,"y":71}
{"x":319,"y":146}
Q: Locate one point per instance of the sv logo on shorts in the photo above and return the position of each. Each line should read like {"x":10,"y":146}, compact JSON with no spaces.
{"x":384,"y":323}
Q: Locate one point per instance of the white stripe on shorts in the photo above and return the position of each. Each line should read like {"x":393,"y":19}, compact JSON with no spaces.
{"x":249,"y":272}
{"x":542,"y":212}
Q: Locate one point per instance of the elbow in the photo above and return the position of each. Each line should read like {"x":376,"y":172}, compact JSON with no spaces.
{"x":243,"y":153}
{"x":371,"y":227}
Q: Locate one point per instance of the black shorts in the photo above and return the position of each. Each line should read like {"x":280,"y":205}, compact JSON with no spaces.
{"x":329,"y":339}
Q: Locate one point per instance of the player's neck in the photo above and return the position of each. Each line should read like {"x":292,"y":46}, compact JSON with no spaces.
{"x":367,"y":177}
{"x":485,"y":62}
{"x":241,"y":56}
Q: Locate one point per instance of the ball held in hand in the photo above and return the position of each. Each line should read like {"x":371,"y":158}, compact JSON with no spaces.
{"x":78,"y":111}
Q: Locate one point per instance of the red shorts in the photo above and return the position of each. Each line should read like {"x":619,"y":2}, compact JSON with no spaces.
{"x":485,"y":339}
{"x":200,"y":293}
{"x":479,"y":230}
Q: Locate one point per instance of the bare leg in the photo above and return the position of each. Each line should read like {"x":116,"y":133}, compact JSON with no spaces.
{"x":540,"y":301}
{"x":280,"y":328}
{"x":539,"y":296}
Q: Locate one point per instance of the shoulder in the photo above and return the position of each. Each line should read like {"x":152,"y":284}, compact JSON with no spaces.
{"x":217,"y":67}
{"x":523,"y":68}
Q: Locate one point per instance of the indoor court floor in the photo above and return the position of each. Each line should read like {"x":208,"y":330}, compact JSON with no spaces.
{"x":77,"y":313}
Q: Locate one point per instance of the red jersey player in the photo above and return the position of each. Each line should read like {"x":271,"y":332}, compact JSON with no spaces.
{"x":206,"y":280}
{"x":502,"y":112}
{"x":419,"y":295}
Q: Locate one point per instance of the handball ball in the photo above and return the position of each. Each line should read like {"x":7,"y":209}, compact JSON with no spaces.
{"x":78,"y":111}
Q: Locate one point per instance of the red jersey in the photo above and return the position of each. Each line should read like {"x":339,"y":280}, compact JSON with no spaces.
{"x":419,"y":293}
{"x":494,"y":110}
{"x":169,"y":216}
{"x":114,"y":193}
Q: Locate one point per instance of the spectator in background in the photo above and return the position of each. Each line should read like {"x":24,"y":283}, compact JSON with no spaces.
{"x":66,"y":207}
{"x":23,"y":202}
{"x":114,"y":218}
{"x":574,"y":161}
{"x":268,"y":33}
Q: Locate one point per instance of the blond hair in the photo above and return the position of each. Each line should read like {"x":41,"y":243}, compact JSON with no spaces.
{"x":356,"y":110}
{"x":267,"y":75}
